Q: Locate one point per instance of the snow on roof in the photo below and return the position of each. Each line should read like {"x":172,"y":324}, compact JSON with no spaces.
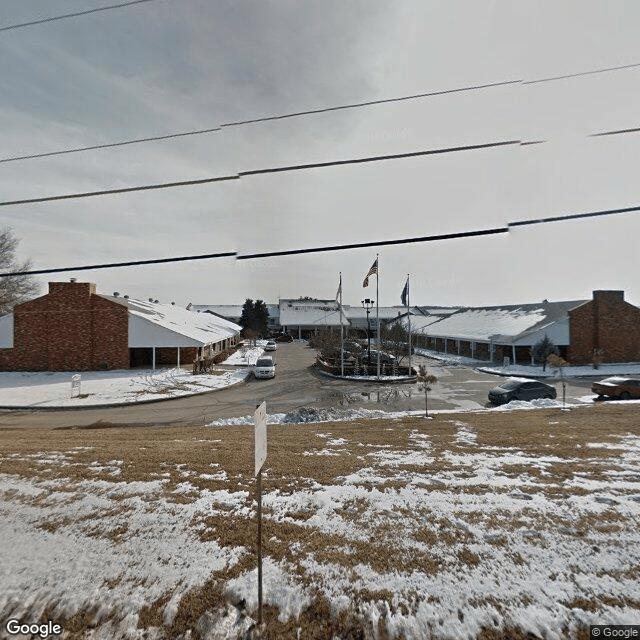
{"x":323,"y":316}
{"x":504,"y":323}
{"x":155,"y":324}
{"x":437,"y":311}
{"x":386,"y":313}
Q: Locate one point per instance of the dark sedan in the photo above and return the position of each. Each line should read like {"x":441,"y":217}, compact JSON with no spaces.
{"x":515,"y":389}
{"x":617,"y":387}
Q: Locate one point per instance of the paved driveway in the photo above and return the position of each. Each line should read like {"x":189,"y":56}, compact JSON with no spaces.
{"x":296,"y":385}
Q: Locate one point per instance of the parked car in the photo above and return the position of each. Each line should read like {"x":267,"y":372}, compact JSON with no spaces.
{"x":617,"y":387}
{"x":265,"y":368}
{"x":518,"y":389}
{"x":271,"y":345}
{"x":284,"y":337}
{"x":385,"y":358}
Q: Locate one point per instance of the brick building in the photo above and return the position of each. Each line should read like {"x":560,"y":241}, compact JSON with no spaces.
{"x":73,"y":328}
{"x":606,"y":327}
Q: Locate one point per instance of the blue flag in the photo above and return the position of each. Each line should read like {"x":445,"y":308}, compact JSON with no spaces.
{"x":405,"y":293}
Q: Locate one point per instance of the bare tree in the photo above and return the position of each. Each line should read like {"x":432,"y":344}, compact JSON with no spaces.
{"x":13,"y":289}
{"x":395,"y":340}
{"x":426,"y":379}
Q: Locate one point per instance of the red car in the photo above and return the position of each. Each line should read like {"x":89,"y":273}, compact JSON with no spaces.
{"x":617,"y":387}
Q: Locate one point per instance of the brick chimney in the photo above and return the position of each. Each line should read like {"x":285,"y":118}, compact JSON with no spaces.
{"x":608,"y":296}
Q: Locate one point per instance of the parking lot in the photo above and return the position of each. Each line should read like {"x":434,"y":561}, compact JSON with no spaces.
{"x":296,"y":385}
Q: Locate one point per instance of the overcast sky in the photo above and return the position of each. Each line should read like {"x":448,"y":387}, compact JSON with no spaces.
{"x":168,"y":66}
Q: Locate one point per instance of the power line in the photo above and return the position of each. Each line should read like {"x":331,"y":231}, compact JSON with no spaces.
{"x":340,"y":247}
{"x":72,"y":15}
{"x":583,"y":73}
{"x":575,"y":216}
{"x":296,"y":114}
{"x":369,"y":103}
{"x":104,"y":192}
{"x":616,"y":132}
{"x":108,"y":145}
{"x":132,"y":263}
{"x":381,"y":243}
{"x":254,"y":172}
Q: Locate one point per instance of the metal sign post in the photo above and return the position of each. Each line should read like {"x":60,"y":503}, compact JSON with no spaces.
{"x":260,"y":418}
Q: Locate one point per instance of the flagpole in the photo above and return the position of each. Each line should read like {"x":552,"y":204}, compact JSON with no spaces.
{"x":377,"y":308}
{"x":341,"y":331}
{"x":409,"y":319}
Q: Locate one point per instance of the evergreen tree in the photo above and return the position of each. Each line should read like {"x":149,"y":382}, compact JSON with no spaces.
{"x":247,"y":319}
{"x":261,"y":318}
{"x":542,"y":349}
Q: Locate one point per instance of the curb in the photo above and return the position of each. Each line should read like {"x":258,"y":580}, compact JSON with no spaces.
{"x":398,"y":380}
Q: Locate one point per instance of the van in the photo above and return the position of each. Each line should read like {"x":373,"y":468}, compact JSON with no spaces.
{"x":265,"y":368}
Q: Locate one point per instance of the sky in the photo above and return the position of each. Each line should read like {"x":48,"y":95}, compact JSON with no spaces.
{"x":169,"y":66}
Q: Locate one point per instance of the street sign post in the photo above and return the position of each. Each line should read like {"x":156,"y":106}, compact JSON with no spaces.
{"x":75,"y":384}
{"x":260,"y":418}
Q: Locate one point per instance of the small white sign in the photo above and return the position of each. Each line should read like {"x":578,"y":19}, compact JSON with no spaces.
{"x":260,"y":417}
{"x":75,"y":383}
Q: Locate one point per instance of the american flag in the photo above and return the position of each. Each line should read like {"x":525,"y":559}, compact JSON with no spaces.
{"x":372,"y":272}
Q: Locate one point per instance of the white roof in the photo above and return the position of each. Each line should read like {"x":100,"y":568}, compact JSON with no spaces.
{"x":385,"y":313}
{"x":154,"y":324}
{"x":508,"y":324}
{"x":320,"y":316}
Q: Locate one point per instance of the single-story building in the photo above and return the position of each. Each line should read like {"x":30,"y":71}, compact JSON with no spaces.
{"x":605,"y":328}
{"x":73,"y":328}
{"x":304,"y":316}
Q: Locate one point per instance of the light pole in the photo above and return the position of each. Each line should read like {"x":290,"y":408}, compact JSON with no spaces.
{"x":367,"y":304}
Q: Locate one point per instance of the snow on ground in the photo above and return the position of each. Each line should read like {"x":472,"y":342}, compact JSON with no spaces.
{"x":127,"y":386}
{"x":437,"y":535}
{"x":246,"y":355}
{"x":603,"y":371}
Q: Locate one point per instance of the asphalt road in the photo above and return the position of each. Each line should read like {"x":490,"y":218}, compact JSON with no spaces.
{"x":296,"y":385}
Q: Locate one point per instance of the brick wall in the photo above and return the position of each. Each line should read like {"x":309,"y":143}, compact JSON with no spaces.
{"x":607,"y":323}
{"x":69,"y":329}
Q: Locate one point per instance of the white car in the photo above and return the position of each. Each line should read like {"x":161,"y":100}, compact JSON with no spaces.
{"x":265,"y":368}
{"x":271,"y":345}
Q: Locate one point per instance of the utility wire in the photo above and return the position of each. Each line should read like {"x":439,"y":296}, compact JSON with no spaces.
{"x":72,"y":15}
{"x":296,"y":114}
{"x":353,"y":105}
{"x":583,"y":73}
{"x":339,"y":247}
{"x":132,"y":263}
{"x":381,"y":243}
{"x":254,"y":172}
{"x":147,"y":187}
{"x":575,"y":216}
{"x":111,"y":144}
{"x":616,"y":132}
{"x":369,"y":103}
